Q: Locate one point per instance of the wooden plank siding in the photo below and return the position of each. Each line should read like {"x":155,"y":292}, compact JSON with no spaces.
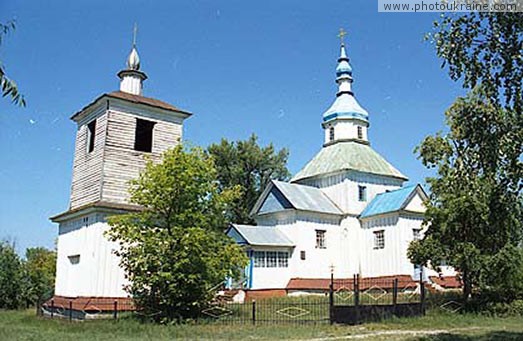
{"x":104,"y":174}
{"x":87,"y":167}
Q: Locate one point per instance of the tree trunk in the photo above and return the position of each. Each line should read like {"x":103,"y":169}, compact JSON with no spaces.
{"x":467,"y":286}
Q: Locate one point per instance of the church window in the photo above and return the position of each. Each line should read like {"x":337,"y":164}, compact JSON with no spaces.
{"x":74,"y":259}
{"x":283,"y":259}
{"x":91,"y":133}
{"x":362,"y":193}
{"x":416,"y":234}
{"x":320,"y":239}
{"x":143,"y":140}
{"x":331,"y":134}
{"x":272,"y":259}
{"x":259,"y":259}
{"x":302,"y":255}
{"x":379,"y":239}
{"x":360,"y":132}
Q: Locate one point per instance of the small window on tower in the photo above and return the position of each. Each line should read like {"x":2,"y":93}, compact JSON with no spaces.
{"x":360,"y":132}
{"x":143,"y":140}
{"x":362,"y":193}
{"x":91,"y":133}
{"x":331,"y":134}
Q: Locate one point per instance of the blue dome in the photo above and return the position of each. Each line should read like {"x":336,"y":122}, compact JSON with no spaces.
{"x":343,"y":68}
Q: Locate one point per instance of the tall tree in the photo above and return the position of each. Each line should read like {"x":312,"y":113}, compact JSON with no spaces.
{"x":8,"y":86}
{"x":475,"y":210}
{"x":174,"y":251}
{"x":12,"y":278}
{"x":248,"y":165}
{"x":40,"y":267}
{"x":475,"y":207}
{"x":484,"y":48}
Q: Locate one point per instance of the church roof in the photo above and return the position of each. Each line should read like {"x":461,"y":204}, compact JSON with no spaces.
{"x":152,"y":102}
{"x":347,"y":155}
{"x":258,"y":235}
{"x":391,"y":201}
{"x":280,"y":196}
{"x":307,"y":198}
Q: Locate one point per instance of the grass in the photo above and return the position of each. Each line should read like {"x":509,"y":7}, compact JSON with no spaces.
{"x":24,"y":325}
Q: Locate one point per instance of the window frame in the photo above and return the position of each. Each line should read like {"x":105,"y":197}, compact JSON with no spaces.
{"x":144,"y":135}
{"x":332,"y":135}
{"x":362,"y":193}
{"x":258,"y":262}
{"x":321,"y":241}
{"x":379,"y":239}
{"x":271,"y":259}
{"x":360,"y":132}
{"x":91,"y":136}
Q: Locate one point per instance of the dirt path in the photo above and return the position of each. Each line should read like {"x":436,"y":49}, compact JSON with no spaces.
{"x":386,"y":333}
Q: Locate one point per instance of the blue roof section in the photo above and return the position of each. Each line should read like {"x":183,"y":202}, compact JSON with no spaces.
{"x":258,"y":235}
{"x":307,"y":198}
{"x":388,"y":202}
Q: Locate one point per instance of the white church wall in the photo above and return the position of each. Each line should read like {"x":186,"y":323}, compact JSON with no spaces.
{"x":415,"y":205}
{"x":274,"y":277}
{"x":342,"y":188}
{"x":86,"y":264}
{"x":346,"y":130}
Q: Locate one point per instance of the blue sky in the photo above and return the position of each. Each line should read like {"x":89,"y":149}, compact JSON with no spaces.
{"x":264,"y":67}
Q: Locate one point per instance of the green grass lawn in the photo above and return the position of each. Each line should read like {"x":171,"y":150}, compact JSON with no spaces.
{"x":24,"y":325}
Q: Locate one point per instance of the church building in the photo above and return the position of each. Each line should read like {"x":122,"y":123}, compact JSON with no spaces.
{"x":346,"y":212}
{"x":115,"y":133}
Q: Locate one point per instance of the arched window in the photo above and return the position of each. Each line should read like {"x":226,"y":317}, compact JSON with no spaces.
{"x":360,"y":132}
{"x":331,"y":134}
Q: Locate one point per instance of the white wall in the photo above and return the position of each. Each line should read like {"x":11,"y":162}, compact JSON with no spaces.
{"x":345,"y":130}
{"x":342,"y":188}
{"x":97,"y":274}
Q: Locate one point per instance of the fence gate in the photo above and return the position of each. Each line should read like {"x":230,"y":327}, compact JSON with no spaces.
{"x":357,"y":300}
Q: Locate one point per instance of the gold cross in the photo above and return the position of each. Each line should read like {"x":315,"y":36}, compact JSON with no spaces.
{"x":342,"y":35}
{"x":135,"y":30}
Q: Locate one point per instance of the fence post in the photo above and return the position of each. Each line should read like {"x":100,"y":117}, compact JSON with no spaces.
{"x":422,"y":292}
{"x":356,"y":286}
{"x":115,"y":311}
{"x":253,"y":312}
{"x":52,"y":308}
{"x":70,"y":311}
{"x":331,"y":299}
{"x":395,"y":293}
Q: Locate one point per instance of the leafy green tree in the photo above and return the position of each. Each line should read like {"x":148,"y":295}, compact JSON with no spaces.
{"x":8,"y":86}
{"x":174,"y":251}
{"x":484,"y":48}
{"x":40,"y":267}
{"x":248,"y":165}
{"x":13,"y":284}
{"x":475,"y":209}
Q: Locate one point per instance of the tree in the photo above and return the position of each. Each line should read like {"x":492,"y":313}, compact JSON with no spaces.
{"x":40,"y":268}
{"x":12,"y":278}
{"x":174,"y":251}
{"x":8,"y":86}
{"x":484,"y":48}
{"x":249,"y":166}
{"x":475,"y":209}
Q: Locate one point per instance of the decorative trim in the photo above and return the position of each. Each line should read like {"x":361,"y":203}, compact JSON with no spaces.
{"x":330,"y":143}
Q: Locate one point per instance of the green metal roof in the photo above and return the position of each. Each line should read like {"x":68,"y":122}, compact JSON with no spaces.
{"x":348,"y":155}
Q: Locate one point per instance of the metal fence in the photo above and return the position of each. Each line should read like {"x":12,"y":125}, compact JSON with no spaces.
{"x":351,"y":301}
